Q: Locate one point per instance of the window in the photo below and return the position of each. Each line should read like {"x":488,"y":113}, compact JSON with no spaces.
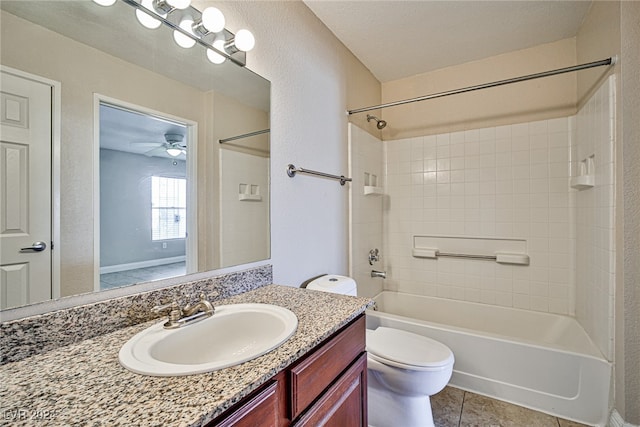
{"x":168,"y":208}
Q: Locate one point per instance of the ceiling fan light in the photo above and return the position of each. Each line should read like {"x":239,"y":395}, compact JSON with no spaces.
{"x":174,"y":152}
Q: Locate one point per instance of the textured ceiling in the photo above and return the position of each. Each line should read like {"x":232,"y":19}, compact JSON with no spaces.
{"x":397,"y":39}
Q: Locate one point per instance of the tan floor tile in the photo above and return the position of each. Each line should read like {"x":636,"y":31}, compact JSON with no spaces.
{"x":447,"y":406}
{"x":482,"y":411}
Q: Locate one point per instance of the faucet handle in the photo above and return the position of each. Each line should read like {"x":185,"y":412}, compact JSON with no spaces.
{"x":175,"y":312}
{"x":173,"y":305}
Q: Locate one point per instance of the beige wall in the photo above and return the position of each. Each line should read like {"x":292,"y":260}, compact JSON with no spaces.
{"x":527,"y":101}
{"x":627,"y":321}
{"x":627,"y":329}
{"x":598,"y":38}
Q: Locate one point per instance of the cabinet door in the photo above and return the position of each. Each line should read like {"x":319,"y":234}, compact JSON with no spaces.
{"x":311,"y":377}
{"x":260,"y":411}
{"x":345,"y":402}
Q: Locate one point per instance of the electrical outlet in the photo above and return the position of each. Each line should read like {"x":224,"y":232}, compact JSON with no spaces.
{"x":164,"y":245}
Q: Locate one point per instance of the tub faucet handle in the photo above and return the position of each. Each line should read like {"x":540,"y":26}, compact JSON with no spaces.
{"x":374,"y":256}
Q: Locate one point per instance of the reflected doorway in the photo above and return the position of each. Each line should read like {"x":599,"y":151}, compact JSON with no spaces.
{"x":146,"y":209}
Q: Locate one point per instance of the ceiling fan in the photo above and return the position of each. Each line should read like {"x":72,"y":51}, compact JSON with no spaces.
{"x":173,"y":146}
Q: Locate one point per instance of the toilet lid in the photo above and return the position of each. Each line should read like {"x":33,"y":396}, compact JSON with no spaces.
{"x":405,"y":348}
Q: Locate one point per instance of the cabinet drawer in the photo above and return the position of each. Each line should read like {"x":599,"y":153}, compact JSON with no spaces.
{"x":310,"y":377}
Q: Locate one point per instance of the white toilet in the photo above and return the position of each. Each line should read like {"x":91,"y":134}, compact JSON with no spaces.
{"x":404,"y":368}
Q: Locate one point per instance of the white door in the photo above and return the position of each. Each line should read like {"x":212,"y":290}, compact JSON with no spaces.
{"x":25,"y":191}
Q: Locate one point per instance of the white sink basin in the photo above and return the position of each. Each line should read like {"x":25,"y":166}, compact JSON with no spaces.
{"x":234,"y":334}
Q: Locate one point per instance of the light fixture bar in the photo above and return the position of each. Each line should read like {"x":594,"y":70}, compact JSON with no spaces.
{"x":238,"y":59}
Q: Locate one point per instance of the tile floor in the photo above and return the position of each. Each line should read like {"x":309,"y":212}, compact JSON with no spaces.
{"x":453,"y":407}
{"x":138,"y":275}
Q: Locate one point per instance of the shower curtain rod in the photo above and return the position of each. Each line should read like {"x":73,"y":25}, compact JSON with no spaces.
{"x":608,"y":61}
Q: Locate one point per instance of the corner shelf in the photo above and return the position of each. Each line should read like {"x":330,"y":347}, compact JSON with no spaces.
{"x":250,"y":197}
{"x":582,"y":182}
{"x":371,"y":190}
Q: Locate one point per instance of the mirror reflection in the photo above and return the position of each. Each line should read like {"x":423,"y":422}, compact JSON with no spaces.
{"x":132,"y":183}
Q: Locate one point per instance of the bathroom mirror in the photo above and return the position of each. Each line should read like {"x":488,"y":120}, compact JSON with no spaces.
{"x":124,"y":93}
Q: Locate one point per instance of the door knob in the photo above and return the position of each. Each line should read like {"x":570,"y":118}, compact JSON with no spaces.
{"x":36,"y":247}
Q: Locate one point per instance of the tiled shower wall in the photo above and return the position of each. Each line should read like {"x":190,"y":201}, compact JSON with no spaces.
{"x":500,"y":182}
{"x":595,"y":214}
{"x":505,"y":182}
{"x":366,"y":159}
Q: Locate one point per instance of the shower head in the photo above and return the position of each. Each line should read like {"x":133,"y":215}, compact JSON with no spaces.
{"x":380,"y":124}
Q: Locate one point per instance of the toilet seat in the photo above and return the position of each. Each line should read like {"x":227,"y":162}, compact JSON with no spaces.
{"x":407,"y":350}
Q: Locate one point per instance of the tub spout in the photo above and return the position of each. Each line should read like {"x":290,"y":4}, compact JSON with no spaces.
{"x":380,"y":274}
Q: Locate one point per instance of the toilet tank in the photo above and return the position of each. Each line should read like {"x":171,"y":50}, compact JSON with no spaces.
{"x":335,"y":284}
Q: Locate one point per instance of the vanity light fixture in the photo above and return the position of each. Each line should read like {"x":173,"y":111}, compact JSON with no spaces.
{"x":211,"y":21}
{"x":168,"y":6}
{"x":104,"y":2}
{"x":190,"y":26}
{"x":243,"y":41}
{"x":214,"y":56}
{"x":180,"y":38}
{"x":145,"y":18}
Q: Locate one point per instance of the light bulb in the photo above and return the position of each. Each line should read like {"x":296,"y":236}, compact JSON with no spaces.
{"x":214,"y":56}
{"x":182,"y":40}
{"x":244,"y":40}
{"x":145,"y":19}
{"x":179,"y":4}
{"x":104,"y":2}
{"x":174,"y":152}
{"x":213,"y":19}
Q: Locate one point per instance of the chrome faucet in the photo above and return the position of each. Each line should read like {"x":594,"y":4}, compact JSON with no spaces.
{"x":179,"y":317}
{"x":380,"y":274}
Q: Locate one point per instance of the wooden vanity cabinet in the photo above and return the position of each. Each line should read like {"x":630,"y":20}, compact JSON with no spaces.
{"x":326,"y":387}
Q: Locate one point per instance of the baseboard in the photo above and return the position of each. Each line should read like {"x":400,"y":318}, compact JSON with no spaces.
{"x":141,"y":264}
{"x":616,"y":420}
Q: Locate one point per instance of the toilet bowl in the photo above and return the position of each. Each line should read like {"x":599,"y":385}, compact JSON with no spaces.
{"x":404,"y":369}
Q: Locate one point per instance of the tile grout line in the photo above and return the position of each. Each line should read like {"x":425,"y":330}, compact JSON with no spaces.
{"x":464,"y":396}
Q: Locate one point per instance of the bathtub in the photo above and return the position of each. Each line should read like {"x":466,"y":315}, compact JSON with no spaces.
{"x":538,"y":360}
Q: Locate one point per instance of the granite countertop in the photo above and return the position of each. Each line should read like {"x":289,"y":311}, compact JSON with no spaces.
{"x":84,"y":384}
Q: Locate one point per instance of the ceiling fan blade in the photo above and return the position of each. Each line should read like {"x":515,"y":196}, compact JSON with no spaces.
{"x":156,"y":151}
